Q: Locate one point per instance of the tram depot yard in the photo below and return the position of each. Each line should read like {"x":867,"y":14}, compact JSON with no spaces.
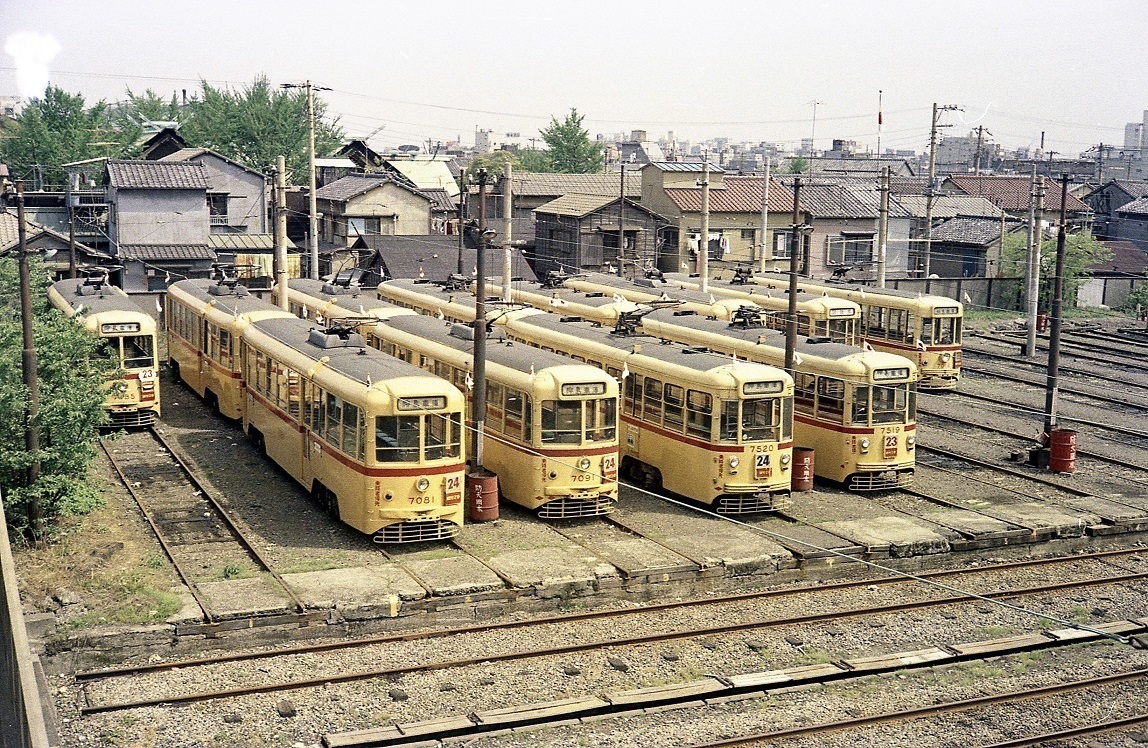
{"x":955,"y":514}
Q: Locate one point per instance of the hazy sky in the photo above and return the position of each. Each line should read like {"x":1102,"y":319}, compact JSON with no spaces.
{"x":719,"y":68}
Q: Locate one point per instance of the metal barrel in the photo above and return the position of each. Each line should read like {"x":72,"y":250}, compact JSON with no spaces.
{"x":482,"y":497}
{"x":802,"y":469}
{"x":1062,"y":451}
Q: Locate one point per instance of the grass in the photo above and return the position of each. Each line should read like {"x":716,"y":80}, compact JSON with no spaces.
{"x":993,"y":632}
{"x":314,"y":564}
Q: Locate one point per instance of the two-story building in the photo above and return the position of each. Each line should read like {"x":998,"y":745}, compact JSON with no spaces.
{"x":845,"y":217}
{"x":581,"y":232}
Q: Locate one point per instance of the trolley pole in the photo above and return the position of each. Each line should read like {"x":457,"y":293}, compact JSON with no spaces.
{"x":1054,"y":329}
{"x":28,"y":364}
{"x":794,"y":265}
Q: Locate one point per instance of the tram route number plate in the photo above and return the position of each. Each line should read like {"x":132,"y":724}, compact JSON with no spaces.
{"x":761,"y":467}
{"x":890,"y":446}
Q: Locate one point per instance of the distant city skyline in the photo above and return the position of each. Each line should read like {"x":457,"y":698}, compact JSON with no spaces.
{"x":750,"y":72}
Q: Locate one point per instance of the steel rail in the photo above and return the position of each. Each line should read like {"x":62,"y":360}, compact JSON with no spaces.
{"x":935,"y":709}
{"x":1081,"y":356}
{"x":1072,"y":732}
{"x":1102,"y":556}
{"x":1102,"y":426}
{"x":602,"y":644}
{"x":1018,"y":361}
{"x":1008,"y":471}
{"x":1066,"y":390}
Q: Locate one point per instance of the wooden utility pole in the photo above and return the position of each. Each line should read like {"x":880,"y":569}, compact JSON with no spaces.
{"x":704,"y":242}
{"x":930,"y":194}
{"x":794,"y":265}
{"x":621,"y":217}
{"x":313,"y":212}
{"x":1032,"y":271}
{"x":507,"y":230}
{"x":977,"y":155}
{"x":281,"y":231}
{"x":765,"y":249}
{"x":71,"y":243}
{"x":1057,"y":301}
{"x":883,"y":227}
{"x":28,"y":365}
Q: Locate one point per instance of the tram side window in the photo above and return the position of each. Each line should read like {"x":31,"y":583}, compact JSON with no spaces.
{"x":652,"y":409}
{"x":616,"y":373}
{"x":561,"y":422}
{"x":494,"y":413}
{"x":397,"y":438}
{"x":875,"y":322}
{"x":601,"y":419}
{"x":804,"y":392}
{"x":804,"y":325}
{"x":106,"y":348}
{"x":830,"y":399}
{"x":443,"y":370}
{"x":313,"y":407}
{"x":730,"y":420}
{"x":860,"y":415}
{"x":257,"y":375}
{"x":292,"y":392}
{"x":633,"y":395}
{"x":333,"y":419}
{"x":515,"y":411}
{"x":699,"y":414}
{"x":225,"y":347}
{"x":675,"y":401}
{"x":786,"y":419}
{"x":444,"y":435}
{"x":897,"y":328}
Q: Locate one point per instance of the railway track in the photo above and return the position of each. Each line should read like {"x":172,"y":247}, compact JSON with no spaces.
{"x":1079,"y":351}
{"x":1093,"y":396}
{"x":641,"y":619}
{"x":198,"y":535}
{"x":1042,"y":366}
{"x":1009,"y":405}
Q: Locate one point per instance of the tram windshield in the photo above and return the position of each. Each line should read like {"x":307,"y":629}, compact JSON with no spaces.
{"x":759,"y":420}
{"x":401,"y":438}
{"x":562,"y":420}
{"x":138,"y":351}
{"x":882,"y":404}
{"x":941,"y":330}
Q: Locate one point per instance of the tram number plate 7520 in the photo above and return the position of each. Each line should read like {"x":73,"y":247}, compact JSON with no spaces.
{"x":890,"y":446}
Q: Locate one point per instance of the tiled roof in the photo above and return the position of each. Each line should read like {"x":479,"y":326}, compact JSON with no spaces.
{"x":688,"y":166}
{"x":966,"y":230}
{"x":10,"y":233}
{"x":1134,"y":188}
{"x":187,"y":154}
{"x":244,"y":242}
{"x":437,"y":256}
{"x":1012,"y":193}
{"x":1127,"y":257}
{"x":1138,"y":207}
{"x":857,"y":167}
{"x":740,"y":195}
{"x":156,"y":175}
{"x":530,"y":184}
{"x":575,"y":204}
{"x":159,"y":252}
{"x":442,"y":201}
{"x":353,"y":185}
{"x":847,"y":200}
{"x":949,"y":206}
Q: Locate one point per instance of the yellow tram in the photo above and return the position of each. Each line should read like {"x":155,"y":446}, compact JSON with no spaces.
{"x":128,"y":335}
{"x":703,"y":426}
{"x":205,"y":319}
{"x":551,"y":425}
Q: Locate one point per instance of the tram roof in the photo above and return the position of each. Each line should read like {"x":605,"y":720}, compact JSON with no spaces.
{"x":230,"y":302}
{"x":757,"y":335}
{"x":109,"y":299}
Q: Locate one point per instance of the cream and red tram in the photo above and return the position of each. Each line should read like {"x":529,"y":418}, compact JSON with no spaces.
{"x":694,"y":423}
{"x":376,"y":441}
{"x":128,"y":337}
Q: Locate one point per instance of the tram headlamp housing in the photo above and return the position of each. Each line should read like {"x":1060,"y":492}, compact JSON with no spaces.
{"x":422,"y":484}
{"x":946,"y":356}
{"x":734,"y":462}
{"x":785,"y":459}
{"x":864,"y":444}
{"x":910,"y":442}
{"x":584,"y":463}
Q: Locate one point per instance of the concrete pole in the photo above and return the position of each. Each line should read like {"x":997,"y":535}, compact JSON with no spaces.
{"x":704,"y":243}
{"x":478,"y":400}
{"x":883,"y":228}
{"x":929,"y":196}
{"x":507,"y":229}
{"x":621,"y":217}
{"x":313,"y":211}
{"x":71,"y":243}
{"x":1032,"y":271}
{"x":1057,"y":302}
{"x":28,"y":366}
{"x":794,"y":265}
{"x":281,"y":230}
{"x":765,"y":247}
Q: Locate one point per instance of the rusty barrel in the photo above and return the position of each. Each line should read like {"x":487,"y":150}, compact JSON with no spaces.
{"x":1062,"y":451}
{"x":802,"y":469}
{"x":482,"y":497}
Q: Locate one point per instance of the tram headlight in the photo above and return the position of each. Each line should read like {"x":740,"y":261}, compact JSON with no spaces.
{"x":785,"y":459}
{"x":734,"y":462}
{"x":864,"y":444}
{"x":946,"y":356}
{"x":423,"y":484}
{"x":584,"y":463}
{"x":910,"y":442}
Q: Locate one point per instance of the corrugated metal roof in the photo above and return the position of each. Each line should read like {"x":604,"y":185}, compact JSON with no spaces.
{"x":576,"y":205}
{"x":739,"y":195}
{"x":10,"y":233}
{"x":436,"y":256}
{"x":427,"y":175}
{"x":950,"y":206}
{"x":249,"y":242}
{"x":686,"y":166}
{"x":847,"y":200}
{"x":154,"y":252}
{"x":156,"y":175}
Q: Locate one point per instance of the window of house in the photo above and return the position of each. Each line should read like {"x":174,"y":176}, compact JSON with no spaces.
{"x":217,"y":208}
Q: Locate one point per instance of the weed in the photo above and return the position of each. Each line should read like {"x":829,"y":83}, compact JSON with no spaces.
{"x":232,"y":571}
{"x":154,"y":561}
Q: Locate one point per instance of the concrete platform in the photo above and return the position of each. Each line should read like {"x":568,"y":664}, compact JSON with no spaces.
{"x":357,"y":591}
{"x":236,"y":598}
{"x":636,"y":557}
{"x":881,"y":531}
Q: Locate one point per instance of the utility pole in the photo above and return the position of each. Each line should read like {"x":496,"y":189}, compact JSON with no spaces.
{"x":977,"y":155}
{"x":883,"y":227}
{"x":313,"y":212}
{"x":281,"y":231}
{"x":463,"y":199}
{"x":765,"y":250}
{"x":1032,"y":273}
{"x":28,"y":364}
{"x":1057,"y":300}
{"x":704,"y":242}
{"x":794,"y":251}
{"x":622,"y":217}
{"x":478,"y":401}
{"x":507,"y":229}
{"x":880,"y":120}
{"x":813,"y":134}
{"x":930,"y":194}
{"x":71,"y":243}
{"x":1100,"y":164}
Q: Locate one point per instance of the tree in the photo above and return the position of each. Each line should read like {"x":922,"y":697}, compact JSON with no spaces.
{"x":571,"y":150}
{"x":538,"y":162}
{"x":494,"y":162}
{"x":256,"y":124}
{"x":58,"y":129}
{"x":798,"y":165}
{"x":1082,"y":251}
{"x":71,"y":406}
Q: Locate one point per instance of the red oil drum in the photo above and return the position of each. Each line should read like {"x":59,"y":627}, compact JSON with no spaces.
{"x":802,"y":469}
{"x":482,"y":497}
{"x":1062,"y":451}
